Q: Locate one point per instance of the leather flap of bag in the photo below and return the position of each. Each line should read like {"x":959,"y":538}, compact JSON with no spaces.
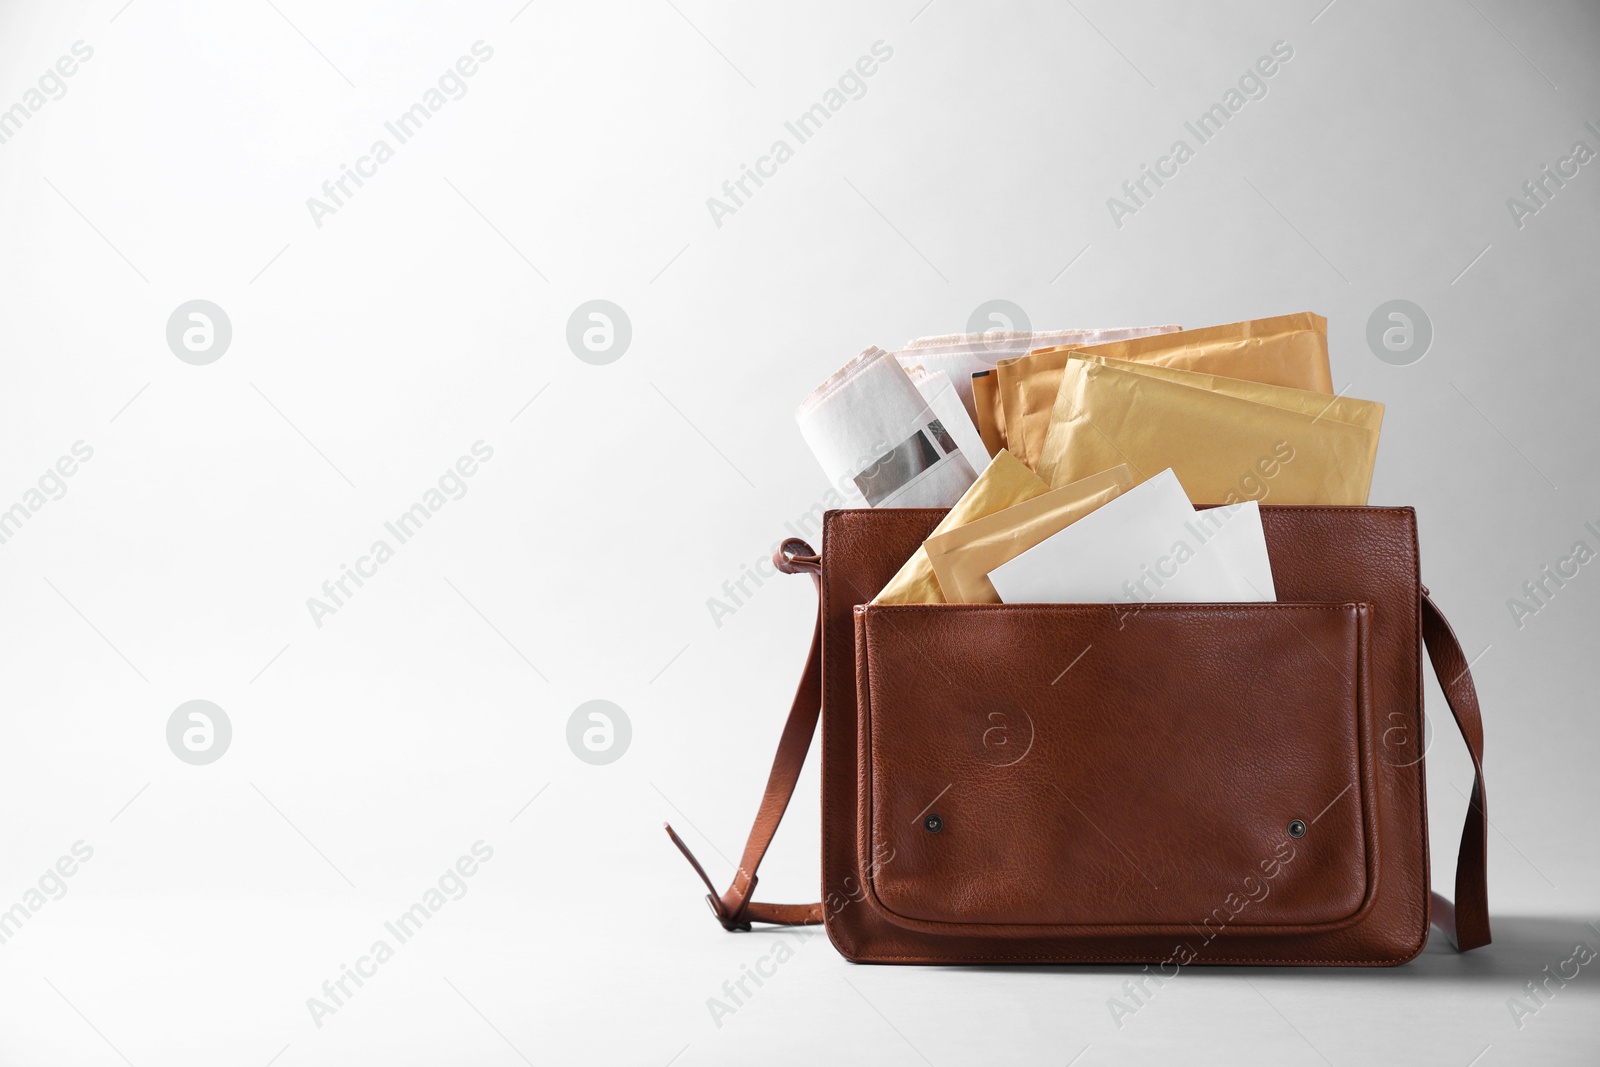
{"x":1111,"y":768}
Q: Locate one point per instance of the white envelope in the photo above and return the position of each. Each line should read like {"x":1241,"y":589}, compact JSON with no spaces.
{"x":1149,"y":545}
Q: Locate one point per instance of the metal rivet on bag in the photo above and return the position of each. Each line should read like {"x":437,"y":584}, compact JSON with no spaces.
{"x":1297,"y":828}
{"x":933,"y":824}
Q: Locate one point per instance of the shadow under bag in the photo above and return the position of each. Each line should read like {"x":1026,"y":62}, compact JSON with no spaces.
{"x":1158,"y":783}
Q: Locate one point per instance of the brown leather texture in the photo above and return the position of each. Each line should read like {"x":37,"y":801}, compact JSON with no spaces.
{"x":1150,"y":763}
{"x":1168,"y":750}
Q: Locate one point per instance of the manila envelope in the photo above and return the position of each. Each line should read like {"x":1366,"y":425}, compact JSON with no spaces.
{"x":1224,"y":448}
{"x":1289,"y":350}
{"x":963,"y":557}
{"x":1003,"y":483}
{"x":986,"y":406}
{"x":1368,"y":413}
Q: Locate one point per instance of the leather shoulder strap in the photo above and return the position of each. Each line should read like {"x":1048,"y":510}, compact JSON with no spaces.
{"x":734,"y":909}
{"x":1466,"y":921}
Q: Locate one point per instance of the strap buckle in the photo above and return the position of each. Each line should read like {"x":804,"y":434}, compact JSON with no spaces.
{"x":729,"y":924}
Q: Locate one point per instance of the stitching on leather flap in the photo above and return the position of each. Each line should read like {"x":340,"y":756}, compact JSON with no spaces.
{"x":1359,"y":692}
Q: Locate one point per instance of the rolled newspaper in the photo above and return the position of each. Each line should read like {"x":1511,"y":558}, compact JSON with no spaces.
{"x":882,"y":443}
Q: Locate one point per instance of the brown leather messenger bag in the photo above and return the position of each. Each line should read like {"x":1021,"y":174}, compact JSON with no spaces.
{"x":1137,"y":783}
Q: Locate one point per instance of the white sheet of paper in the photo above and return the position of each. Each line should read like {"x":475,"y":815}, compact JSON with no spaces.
{"x":1235,"y":531}
{"x":1149,"y":545}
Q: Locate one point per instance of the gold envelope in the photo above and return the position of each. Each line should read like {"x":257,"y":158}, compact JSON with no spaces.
{"x":1003,"y":483}
{"x":1224,"y":448}
{"x":986,"y":405}
{"x":963,"y":557}
{"x":1368,"y":413}
{"x":1289,"y":350}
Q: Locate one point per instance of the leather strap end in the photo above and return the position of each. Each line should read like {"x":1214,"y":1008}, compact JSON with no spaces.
{"x":1444,"y":917}
{"x":795,"y":556}
{"x":701,"y":871}
{"x":729,"y":922}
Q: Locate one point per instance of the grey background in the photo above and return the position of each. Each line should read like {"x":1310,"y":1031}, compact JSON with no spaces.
{"x":430,"y":312}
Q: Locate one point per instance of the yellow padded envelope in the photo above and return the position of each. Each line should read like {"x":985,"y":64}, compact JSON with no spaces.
{"x":1003,"y":483}
{"x":1288,"y":350}
{"x":963,"y":557}
{"x":1368,"y":413}
{"x":1227,"y":440}
{"x":986,"y":406}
